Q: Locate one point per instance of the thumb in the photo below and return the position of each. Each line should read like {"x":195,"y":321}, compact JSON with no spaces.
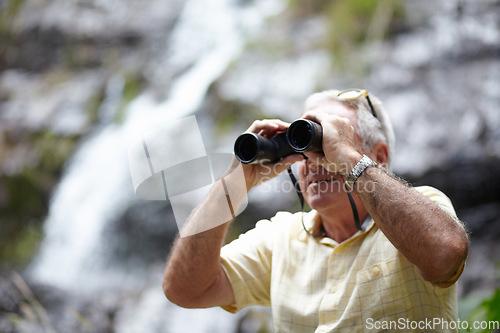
{"x":287,"y":162}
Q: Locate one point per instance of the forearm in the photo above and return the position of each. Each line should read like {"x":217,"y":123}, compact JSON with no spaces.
{"x":423,"y":232}
{"x":194,"y":268}
{"x":193,"y":276}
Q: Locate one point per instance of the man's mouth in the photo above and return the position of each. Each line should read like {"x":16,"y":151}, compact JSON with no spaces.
{"x":321,"y":181}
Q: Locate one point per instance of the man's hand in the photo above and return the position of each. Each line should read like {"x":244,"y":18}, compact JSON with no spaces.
{"x":194,"y":276}
{"x":340,"y":152}
{"x":256,"y":174}
{"x":425,"y":234}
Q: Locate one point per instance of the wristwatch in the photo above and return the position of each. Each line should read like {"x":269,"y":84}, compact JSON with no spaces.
{"x":358,"y":169}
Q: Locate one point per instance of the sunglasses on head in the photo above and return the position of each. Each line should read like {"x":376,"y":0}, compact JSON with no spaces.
{"x":353,"y":94}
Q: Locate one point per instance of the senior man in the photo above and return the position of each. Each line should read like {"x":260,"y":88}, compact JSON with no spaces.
{"x":317,"y":271}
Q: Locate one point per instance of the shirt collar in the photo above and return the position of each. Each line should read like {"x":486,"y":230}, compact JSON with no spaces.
{"x":312,"y":222}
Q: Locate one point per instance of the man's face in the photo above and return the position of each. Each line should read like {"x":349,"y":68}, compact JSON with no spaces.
{"x":323,"y":189}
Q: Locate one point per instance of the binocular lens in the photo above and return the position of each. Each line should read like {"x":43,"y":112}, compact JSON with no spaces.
{"x":300,"y":135}
{"x":304,"y":135}
{"x":246,"y":147}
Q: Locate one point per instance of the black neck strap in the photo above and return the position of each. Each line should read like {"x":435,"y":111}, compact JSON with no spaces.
{"x":353,"y":206}
{"x":296,"y":185}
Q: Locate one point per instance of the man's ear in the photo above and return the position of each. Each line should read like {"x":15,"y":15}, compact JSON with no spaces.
{"x":381,"y":153}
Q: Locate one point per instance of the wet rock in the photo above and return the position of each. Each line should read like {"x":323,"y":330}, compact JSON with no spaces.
{"x":68,"y":69}
{"x":26,"y":307}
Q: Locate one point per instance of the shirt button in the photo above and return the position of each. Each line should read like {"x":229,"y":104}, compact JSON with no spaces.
{"x":323,"y":328}
{"x":375,"y":271}
{"x":333,"y":289}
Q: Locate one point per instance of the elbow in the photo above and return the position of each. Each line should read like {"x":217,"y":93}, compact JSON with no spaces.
{"x":447,"y":260}
{"x":176,"y":295}
{"x":179,"y":292}
{"x":170,"y":291}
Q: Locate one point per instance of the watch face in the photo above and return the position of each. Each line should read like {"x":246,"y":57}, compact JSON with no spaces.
{"x":358,"y":169}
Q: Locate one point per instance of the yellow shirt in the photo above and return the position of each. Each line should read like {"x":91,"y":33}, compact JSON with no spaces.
{"x":319,"y":285}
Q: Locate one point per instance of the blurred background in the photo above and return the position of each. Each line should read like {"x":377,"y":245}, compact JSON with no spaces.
{"x":80,"y":80}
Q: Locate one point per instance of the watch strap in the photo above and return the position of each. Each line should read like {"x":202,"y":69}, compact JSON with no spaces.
{"x":358,"y":170}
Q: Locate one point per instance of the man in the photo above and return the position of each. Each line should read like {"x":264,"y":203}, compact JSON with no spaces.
{"x":318,"y":272}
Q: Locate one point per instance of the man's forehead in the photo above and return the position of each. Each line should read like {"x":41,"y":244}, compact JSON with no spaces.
{"x":336,"y":108}
{"x":331,"y":105}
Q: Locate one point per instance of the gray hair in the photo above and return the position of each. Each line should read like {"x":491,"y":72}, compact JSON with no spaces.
{"x":371,"y":130}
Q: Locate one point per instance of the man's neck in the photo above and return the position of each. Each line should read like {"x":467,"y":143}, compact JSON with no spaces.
{"x":339,"y":224}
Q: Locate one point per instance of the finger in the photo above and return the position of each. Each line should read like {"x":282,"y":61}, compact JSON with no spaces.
{"x":314,"y":116}
{"x":282,"y":124}
{"x":268,"y":126}
{"x":313,"y":156}
{"x":320,"y":159}
{"x":322,"y":117}
{"x":288,"y":161}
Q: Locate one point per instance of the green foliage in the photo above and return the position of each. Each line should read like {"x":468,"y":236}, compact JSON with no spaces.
{"x":24,"y":310}
{"x":24,"y":196}
{"x":306,"y":8}
{"x":487,"y":312}
{"x":93,"y":105}
{"x":20,"y":228}
{"x":231,"y":113}
{"x":354,"y":22}
{"x":492,"y":307}
{"x":8,"y":13}
{"x":53,"y":151}
{"x":351,"y":23}
{"x":131,"y":88}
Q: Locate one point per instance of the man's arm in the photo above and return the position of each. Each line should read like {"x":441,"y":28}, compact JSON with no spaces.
{"x":194,"y":277}
{"x":424,"y":233}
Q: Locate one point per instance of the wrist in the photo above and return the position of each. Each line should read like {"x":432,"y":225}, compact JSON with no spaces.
{"x":350,"y":161}
{"x":358,"y":169}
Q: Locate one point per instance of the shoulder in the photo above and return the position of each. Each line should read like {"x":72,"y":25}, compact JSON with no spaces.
{"x":282,"y":225}
{"x":429,"y":191}
{"x":267,"y":231}
{"x":437,"y":197}
{"x":283,"y":218}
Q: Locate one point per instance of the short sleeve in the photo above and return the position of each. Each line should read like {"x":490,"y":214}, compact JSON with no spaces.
{"x":439,"y":198}
{"x":247,"y":264}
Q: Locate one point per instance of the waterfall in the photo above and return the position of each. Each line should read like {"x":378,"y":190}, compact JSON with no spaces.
{"x":437,"y":74}
{"x":96,"y":185}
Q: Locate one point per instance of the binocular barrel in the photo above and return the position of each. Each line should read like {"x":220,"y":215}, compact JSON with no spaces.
{"x":302,"y":135}
{"x":305,"y":135}
{"x":254,"y":148}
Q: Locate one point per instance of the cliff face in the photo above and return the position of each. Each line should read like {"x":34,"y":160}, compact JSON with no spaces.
{"x":75,"y":76}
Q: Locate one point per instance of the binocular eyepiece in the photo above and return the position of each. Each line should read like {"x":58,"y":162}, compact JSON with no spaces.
{"x":302,"y":135}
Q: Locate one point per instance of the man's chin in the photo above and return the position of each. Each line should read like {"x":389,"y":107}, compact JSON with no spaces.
{"x":324,"y":188}
{"x":321,"y":200}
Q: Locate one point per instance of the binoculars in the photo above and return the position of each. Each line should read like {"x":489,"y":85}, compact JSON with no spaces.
{"x":302,"y":135}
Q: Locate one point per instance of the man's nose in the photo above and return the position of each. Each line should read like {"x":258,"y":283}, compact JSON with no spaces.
{"x":311,"y":166}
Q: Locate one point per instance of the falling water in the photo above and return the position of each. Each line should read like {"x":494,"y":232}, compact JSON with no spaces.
{"x":96,"y":186}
